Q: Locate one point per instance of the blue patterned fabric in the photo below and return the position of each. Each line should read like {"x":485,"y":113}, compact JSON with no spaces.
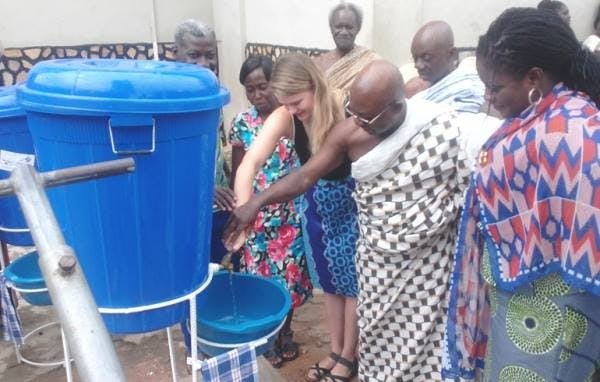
{"x":238,"y":365}
{"x":332,"y":228}
{"x":545,"y":331}
{"x":11,"y":325}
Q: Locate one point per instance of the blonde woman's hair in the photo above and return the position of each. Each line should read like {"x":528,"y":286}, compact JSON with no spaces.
{"x":294,"y":73}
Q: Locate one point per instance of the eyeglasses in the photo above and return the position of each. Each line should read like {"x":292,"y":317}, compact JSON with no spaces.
{"x":361,"y":120}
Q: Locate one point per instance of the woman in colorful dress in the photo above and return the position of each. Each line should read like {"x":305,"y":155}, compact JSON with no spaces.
{"x":275,"y":246}
{"x":308,"y":113}
{"x":525,"y":289}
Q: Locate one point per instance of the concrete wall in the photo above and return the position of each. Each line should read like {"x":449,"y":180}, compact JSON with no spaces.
{"x":78,"y":22}
{"x":388,"y":25}
{"x":300,"y":22}
{"x":397,"y":21}
{"x":230,"y":22}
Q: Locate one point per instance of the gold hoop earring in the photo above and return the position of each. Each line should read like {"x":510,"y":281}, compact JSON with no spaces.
{"x":530,"y":96}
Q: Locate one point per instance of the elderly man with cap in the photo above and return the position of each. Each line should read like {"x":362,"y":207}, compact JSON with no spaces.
{"x":436,"y":60}
{"x":409,"y":165}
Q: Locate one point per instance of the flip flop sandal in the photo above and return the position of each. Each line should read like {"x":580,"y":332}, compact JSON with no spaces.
{"x":351,"y":365}
{"x":321,"y":372}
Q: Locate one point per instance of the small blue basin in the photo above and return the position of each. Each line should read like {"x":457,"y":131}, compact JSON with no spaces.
{"x":24,"y":273}
{"x":238,"y":308}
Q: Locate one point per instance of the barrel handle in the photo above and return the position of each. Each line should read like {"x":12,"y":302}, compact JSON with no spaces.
{"x":127,"y":152}
{"x":13,"y":230}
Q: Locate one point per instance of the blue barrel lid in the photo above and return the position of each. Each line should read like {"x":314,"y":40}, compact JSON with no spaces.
{"x":8,"y":102}
{"x":112,"y":86}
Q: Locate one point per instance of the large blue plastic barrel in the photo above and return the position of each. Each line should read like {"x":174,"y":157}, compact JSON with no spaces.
{"x":142,"y":238}
{"x":16,"y":147}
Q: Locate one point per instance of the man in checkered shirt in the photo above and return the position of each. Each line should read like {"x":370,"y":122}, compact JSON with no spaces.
{"x":409,"y":165}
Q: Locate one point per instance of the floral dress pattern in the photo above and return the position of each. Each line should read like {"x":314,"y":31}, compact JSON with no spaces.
{"x":275,"y":248}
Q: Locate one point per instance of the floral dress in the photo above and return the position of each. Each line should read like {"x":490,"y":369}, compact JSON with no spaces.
{"x":275,"y":248}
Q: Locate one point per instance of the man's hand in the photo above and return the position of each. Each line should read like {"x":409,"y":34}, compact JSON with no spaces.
{"x":224,"y":198}
{"x":239,"y":225}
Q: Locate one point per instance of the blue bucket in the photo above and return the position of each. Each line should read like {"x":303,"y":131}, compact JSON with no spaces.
{"x":141,"y":238}
{"x":16,"y":146}
{"x":238,"y":308}
{"x":24,"y":273}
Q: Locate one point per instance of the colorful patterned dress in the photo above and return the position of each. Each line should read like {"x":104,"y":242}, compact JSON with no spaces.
{"x":275,"y":248}
{"x":525,"y":289}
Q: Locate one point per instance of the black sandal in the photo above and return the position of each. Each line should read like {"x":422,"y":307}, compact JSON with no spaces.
{"x":321,"y":372}
{"x":288,"y":349}
{"x":350,"y":365}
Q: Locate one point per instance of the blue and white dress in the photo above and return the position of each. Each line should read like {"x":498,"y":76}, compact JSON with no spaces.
{"x":331,"y":224}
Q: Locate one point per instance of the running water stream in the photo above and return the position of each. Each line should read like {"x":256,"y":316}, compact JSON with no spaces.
{"x":233,"y":318}
{"x":234,"y":305}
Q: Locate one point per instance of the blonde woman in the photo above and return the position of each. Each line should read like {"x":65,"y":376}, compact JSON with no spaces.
{"x":308,"y":112}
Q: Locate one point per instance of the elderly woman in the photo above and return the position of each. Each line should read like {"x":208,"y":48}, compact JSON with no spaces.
{"x":274,"y":247}
{"x":343,"y":63}
{"x":526,"y":282}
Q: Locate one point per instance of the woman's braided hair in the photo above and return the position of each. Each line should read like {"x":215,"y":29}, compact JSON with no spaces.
{"x":523,"y":38}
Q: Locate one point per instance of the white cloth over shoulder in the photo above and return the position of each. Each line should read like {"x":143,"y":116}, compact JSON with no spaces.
{"x":475,"y":129}
{"x":592,"y":42}
{"x":419,"y":114}
{"x":461,"y":89}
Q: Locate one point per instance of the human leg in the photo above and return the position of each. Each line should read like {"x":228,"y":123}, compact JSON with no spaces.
{"x":335,"y":310}
{"x":347,"y":366}
{"x":274,"y":355}
{"x":288,"y":348}
{"x":335,"y":315}
{"x":333,"y":230}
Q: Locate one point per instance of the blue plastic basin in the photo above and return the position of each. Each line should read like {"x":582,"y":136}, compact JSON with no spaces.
{"x":24,"y":273}
{"x":239,"y":308}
